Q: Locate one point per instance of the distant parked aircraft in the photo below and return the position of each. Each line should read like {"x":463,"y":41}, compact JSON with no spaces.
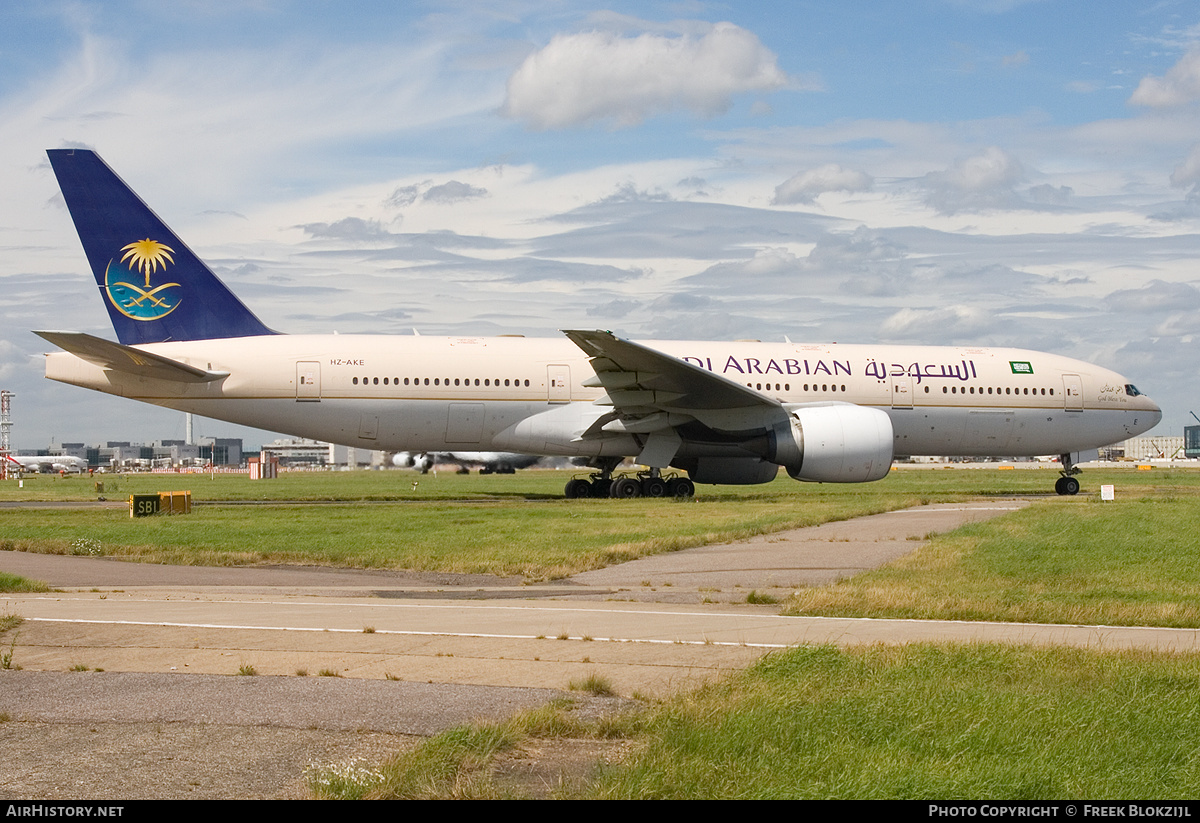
{"x":486,"y":462}
{"x":48,"y":464}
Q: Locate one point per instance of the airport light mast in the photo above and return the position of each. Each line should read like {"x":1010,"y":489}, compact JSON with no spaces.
{"x":5,"y":424}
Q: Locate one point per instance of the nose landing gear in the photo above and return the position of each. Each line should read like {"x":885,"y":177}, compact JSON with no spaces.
{"x":1067,"y":484}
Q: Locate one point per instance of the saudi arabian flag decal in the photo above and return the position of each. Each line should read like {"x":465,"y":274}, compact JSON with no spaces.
{"x":1021,"y":366}
{"x":145,"y":301}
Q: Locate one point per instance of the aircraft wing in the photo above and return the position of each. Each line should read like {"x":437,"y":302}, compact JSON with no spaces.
{"x":652,"y":392}
{"x":127,"y":359}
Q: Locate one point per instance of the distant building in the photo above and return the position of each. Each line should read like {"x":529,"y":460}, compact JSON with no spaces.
{"x":122,"y":454}
{"x":1191,"y":442}
{"x":302,"y":452}
{"x":1154,"y":448}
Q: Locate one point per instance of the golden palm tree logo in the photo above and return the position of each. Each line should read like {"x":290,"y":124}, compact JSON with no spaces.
{"x":147,"y":255}
{"x":138,"y":302}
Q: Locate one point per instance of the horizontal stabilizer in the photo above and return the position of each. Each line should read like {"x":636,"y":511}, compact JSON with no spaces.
{"x":127,"y":359}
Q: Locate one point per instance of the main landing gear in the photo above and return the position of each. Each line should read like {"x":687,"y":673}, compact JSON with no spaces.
{"x":644,"y":484}
{"x":1068,"y":484}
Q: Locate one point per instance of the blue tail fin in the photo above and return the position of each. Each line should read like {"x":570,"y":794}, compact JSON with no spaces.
{"x":154,"y":287}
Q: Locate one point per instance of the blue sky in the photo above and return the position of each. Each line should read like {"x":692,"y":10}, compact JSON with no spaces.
{"x":944,"y":172}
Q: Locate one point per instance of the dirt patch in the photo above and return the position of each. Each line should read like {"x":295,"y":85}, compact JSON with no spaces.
{"x":540,"y":768}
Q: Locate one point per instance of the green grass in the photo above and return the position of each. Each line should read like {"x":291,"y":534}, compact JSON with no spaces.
{"x":1062,"y":560}
{"x":594,"y":684}
{"x":985,"y":722}
{"x":922,"y":721}
{"x":1128,"y":562}
{"x":16,"y":583}
{"x":498,"y":525}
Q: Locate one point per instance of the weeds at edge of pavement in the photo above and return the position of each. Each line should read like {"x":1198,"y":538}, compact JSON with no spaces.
{"x":459,"y":762}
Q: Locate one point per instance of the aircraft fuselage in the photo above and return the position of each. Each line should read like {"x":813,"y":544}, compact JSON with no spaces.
{"x":527,"y":395}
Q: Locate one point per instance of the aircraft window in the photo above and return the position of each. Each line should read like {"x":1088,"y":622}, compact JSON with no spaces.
{"x":787,"y":386}
{"x":356,"y":381}
{"x":927,"y":390}
{"x":476,"y":381}
{"x":1007,"y":390}
{"x":426,"y":381}
{"x":406,"y":381}
{"x":824,"y":387}
{"x":506,"y":382}
{"x":456,"y":381}
{"x":945,"y":390}
{"x":385,"y":381}
{"x":1131,"y":390}
{"x":376,"y":381}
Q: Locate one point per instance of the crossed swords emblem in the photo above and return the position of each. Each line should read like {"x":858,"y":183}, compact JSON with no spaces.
{"x":147,"y":294}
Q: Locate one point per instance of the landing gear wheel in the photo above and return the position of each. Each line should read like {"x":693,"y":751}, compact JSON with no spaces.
{"x":599,"y":488}
{"x":577,"y":488}
{"x":654,"y":487}
{"x":1067,"y":486}
{"x":625,"y":488}
{"x":681,"y":487}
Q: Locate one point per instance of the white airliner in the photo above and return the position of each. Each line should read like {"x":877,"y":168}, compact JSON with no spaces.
{"x":724,"y":413}
{"x":486,"y":462}
{"x":49,"y":463}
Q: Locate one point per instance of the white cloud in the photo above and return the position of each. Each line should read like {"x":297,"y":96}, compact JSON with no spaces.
{"x":453,"y":191}
{"x":944,"y":324}
{"x":981,"y":181}
{"x":350,"y":228}
{"x":1181,"y":84}
{"x":806,"y":186}
{"x":1187,"y":173}
{"x":1155,"y":296}
{"x":592,"y":76}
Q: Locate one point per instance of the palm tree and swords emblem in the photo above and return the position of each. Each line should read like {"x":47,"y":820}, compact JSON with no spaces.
{"x":141,"y":302}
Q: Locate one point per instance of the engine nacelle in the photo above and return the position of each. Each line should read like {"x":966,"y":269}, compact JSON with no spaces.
{"x":838,"y":443}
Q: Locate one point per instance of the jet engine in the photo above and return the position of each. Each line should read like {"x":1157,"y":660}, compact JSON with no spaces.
{"x":838,"y":443}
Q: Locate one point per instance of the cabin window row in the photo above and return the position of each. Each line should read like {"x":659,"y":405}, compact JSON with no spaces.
{"x":438,"y":381}
{"x":1008,"y":390}
{"x":788,"y":387}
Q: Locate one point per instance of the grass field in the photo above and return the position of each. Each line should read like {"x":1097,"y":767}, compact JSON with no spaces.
{"x":920,"y":721}
{"x":1062,"y":560}
{"x":1131,"y":561}
{"x":498,"y":525}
